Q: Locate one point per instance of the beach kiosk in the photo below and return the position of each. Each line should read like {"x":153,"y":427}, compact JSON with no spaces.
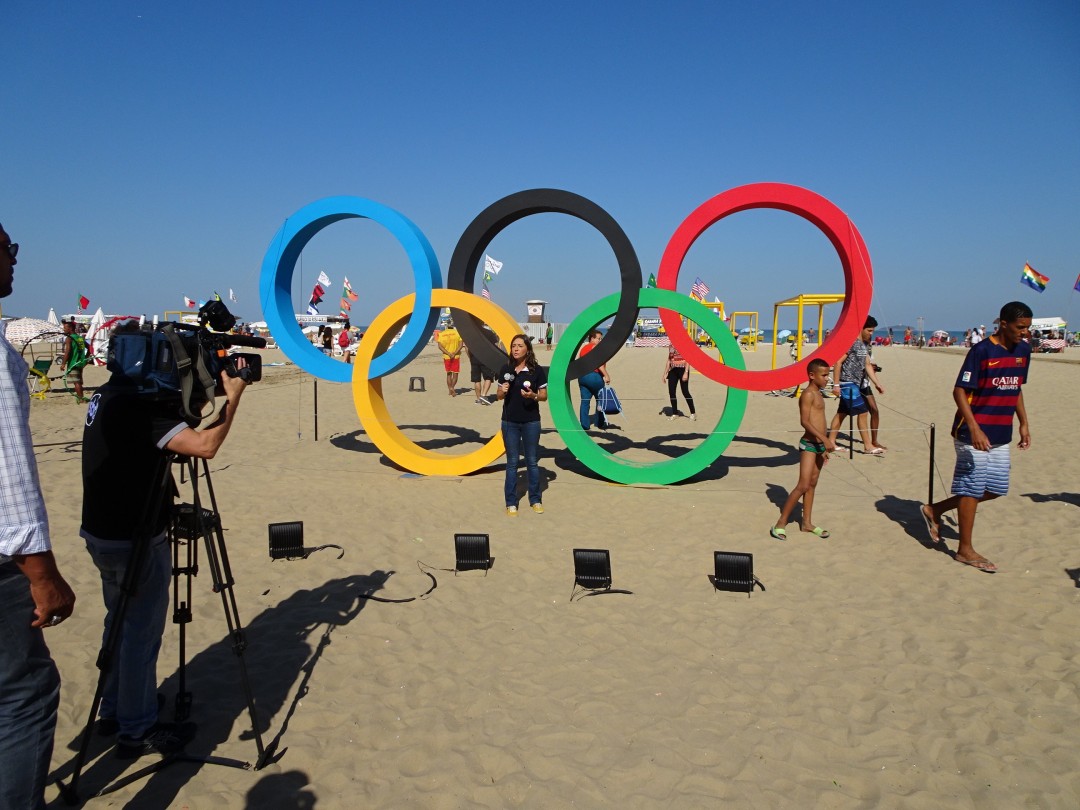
{"x":821,"y":300}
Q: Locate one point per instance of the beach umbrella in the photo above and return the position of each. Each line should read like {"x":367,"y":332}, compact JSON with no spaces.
{"x":97,"y":338}
{"x":52,"y":317}
{"x":783,"y":333}
{"x":27,"y":330}
{"x":308,"y":330}
{"x":940,"y":333}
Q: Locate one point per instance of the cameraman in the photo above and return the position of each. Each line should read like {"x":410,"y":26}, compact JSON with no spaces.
{"x":128,"y":439}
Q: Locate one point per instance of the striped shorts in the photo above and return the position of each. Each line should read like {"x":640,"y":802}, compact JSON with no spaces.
{"x":980,"y":471}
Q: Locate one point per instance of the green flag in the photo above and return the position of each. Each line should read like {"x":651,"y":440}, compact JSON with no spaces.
{"x":652,"y":280}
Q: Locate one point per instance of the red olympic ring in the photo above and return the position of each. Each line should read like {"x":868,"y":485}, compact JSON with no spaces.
{"x":834,"y":223}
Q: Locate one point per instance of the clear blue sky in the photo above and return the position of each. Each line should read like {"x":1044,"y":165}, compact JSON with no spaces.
{"x":151,"y":149}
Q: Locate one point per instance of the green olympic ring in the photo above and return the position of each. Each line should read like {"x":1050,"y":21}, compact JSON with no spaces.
{"x":599,"y":460}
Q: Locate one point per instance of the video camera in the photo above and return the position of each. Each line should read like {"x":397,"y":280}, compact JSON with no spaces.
{"x":184,"y":359}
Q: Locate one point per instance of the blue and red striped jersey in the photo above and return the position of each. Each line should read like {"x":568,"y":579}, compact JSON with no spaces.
{"x":992,"y":376}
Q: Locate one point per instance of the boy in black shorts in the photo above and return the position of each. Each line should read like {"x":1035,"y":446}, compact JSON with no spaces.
{"x":814,"y":448}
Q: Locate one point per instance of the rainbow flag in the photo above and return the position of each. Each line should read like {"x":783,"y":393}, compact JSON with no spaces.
{"x":1033,"y":278}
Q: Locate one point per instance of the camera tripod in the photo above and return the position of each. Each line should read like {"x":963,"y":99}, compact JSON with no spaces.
{"x":190,"y":523}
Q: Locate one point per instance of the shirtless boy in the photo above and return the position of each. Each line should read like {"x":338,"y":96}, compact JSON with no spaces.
{"x":814,"y":448}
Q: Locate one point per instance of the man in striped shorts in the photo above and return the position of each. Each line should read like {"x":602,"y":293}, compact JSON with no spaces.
{"x":988,"y":396}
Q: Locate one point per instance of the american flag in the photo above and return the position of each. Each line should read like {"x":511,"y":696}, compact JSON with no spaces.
{"x":485,"y":292}
{"x":699,"y":288}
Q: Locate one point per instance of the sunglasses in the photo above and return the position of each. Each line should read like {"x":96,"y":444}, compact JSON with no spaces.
{"x":12,"y":249}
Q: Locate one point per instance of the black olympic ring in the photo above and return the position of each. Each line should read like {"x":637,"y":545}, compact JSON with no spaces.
{"x":493,"y":219}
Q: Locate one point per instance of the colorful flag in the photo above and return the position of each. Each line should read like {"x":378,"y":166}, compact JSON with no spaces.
{"x":487,"y":276}
{"x":1033,"y":278}
{"x":312,"y":309}
{"x":491,"y":266}
{"x":345,"y":303}
{"x":652,"y":280}
{"x":485,"y":292}
{"x":232,"y":296}
{"x":324,"y":279}
{"x":217,"y":295}
{"x":84,"y":302}
{"x":1076,"y":286}
{"x":189,"y":303}
{"x":318,"y":291}
{"x":352,"y":296}
{"x":699,"y":289}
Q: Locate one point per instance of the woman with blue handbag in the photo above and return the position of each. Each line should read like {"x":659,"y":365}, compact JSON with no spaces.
{"x":590,"y":385}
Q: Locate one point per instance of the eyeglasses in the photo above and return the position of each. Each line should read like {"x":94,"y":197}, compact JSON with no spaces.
{"x":12,"y":249}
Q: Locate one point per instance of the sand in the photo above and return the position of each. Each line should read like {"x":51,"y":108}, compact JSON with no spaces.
{"x":871,"y":671}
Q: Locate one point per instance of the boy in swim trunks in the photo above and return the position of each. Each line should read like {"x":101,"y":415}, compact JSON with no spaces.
{"x":814,"y":448}
{"x":988,"y":395}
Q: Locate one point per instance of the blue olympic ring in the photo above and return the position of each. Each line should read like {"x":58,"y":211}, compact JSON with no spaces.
{"x":275,"y":285}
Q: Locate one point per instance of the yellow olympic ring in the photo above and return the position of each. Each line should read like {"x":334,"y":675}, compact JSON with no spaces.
{"x":368,"y":398}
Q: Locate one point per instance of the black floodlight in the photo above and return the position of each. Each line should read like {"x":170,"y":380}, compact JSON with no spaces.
{"x":592,"y":569}
{"x":734,"y":571}
{"x":473,"y":552}
{"x":287,"y":540}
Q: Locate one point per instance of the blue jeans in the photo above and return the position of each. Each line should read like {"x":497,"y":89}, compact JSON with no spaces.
{"x":29,"y":696}
{"x":589,"y":385}
{"x":521,"y":437}
{"x":131,"y":686}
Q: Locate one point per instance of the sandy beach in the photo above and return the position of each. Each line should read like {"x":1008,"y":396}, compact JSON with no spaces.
{"x":872,"y":671}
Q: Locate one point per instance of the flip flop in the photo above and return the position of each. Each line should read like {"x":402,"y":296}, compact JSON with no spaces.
{"x":877,"y":451}
{"x":979,"y":565}
{"x":777,"y":534}
{"x":934,"y":536}
{"x":820,"y":532}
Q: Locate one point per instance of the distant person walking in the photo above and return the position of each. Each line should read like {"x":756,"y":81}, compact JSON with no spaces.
{"x":450,"y":344}
{"x":853,"y":374}
{"x":590,"y":385}
{"x":677,"y":374}
{"x":988,"y":395}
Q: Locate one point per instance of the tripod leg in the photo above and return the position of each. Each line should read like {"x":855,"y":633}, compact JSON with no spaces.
{"x":217,"y":558}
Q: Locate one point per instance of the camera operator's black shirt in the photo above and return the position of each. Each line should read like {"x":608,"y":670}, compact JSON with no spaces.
{"x":123,"y":449}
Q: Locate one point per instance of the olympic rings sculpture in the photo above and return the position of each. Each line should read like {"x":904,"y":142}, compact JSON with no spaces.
{"x":376,"y":357}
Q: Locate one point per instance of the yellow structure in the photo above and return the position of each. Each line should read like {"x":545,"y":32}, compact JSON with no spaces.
{"x":752,"y":336}
{"x":801,"y":301}
{"x":182,"y":315}
{"x":694,"y":330}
